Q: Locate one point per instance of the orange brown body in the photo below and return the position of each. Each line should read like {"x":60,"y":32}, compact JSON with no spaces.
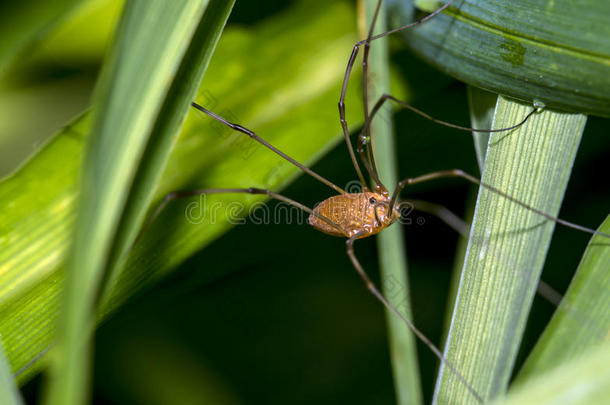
{"x":363,"y":213}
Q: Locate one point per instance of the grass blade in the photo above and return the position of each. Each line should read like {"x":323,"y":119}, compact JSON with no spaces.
{"x":507,"y":248}
{"x":149,"y":47}
{"x":9,"y":393}
{"x":481,"y":105}
{"x":166,"y":128}
{"x":583,"y":317}
{"x":390,"y":242}
{"x":528,"y":49}
{"x":583,"y":380}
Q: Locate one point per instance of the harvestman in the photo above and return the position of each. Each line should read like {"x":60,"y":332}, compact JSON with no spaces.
{"x":360,"y":215}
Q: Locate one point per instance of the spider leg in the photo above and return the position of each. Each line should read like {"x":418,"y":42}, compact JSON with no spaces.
{"x":373,"y":290}
{"x":252,"y":190}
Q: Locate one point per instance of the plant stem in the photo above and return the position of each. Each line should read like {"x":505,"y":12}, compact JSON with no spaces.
{"x":390,"y":243}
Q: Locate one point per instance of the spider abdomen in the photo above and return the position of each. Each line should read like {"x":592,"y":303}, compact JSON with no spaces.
{"x":365,"y":213}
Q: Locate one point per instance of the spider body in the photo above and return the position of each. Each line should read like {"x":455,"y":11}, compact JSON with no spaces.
{"x":365,"y":214}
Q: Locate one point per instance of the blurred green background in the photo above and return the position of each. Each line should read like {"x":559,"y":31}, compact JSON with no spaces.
{"x":288,"y":321}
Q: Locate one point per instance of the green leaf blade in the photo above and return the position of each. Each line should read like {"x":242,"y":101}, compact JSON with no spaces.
{"x":582,"y":380}
{"x":527,"y":49}
{"x":583,"y":317}
{"x":163,"y":135}
{"x":150,"y":43}
{"x":507,"y":248}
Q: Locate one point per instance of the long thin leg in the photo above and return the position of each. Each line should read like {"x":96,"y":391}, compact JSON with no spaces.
{"x":344,"y":127}
{"x":441,"y":212}
{"x":266,"y":144}
{"x":364,"y":149}
{"x":348,"y":72}
{"x":190,"y":193}
{"x":549,"y":293}
{"x":414,"y":23}
{"x":461,"y":174}
{"x":461,"y":227}
{"x":409,"y":107}
{"x":365,"y":145}
{"x":364,"y":138}
{"x":373,"y":290}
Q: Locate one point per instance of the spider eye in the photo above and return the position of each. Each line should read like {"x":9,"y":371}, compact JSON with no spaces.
{"x":372,"y":200}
